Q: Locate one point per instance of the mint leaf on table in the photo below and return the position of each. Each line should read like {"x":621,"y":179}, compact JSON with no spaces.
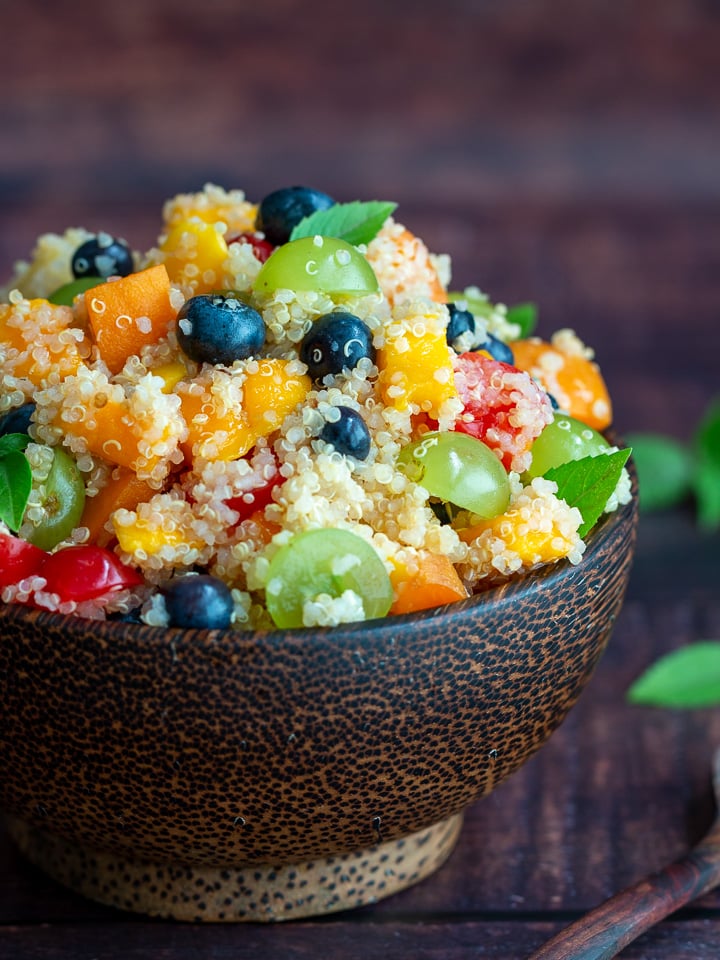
{"x":356,"y":222}
{"x":588,"y":483}
{"x":15,"y":486}
{"x":688,"y":677}
{"x":706,"y":479}
{"x":665,"y":469}
{"x":525,"y":316}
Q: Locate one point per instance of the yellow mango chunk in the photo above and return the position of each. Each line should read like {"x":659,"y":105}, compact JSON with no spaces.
{"x":162,"y":524}
{"x":212,"y":433}
{"x":171,"y":374}
{"x":271,"y":394}
{"x":194,"y":254}
{"x":417,"y":368}
{"x":523,"y":534}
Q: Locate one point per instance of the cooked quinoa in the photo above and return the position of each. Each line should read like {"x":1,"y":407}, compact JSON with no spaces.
{"x":191,"y":467}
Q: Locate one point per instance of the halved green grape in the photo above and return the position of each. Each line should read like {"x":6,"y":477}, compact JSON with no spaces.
{"x":458,"y":469}
{"x":63,"y":502}
{"x":563,"y":440}
{"x":325,"y":561}
{"x":65,"y":295}
{"x":317,"y":263}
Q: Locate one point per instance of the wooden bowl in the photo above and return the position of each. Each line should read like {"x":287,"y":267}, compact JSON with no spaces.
{"x":259,"y":776}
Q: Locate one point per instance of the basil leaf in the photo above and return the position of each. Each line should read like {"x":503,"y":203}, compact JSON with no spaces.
{"x":13,"y":441}
{"x":688,"y":677}
{"x":588,"y":483}
{"x":664,"y":467}
{"x":525,"y":316}
{"x":15,"y":486}
{"x":356,"y":222}
{"x":706,"y":480}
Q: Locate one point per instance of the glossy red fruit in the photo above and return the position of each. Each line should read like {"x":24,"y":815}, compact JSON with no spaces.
{"x":256,"y":499}
{"x":18,"y":559}
{"x":85,"y":572}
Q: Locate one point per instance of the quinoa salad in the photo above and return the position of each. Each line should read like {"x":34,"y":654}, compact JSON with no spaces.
{"x":282,"y":415}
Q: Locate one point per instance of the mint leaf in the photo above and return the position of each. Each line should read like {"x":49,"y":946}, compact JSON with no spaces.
{"x":688,"y":677}
{"x":356,"y":222}
{"x":706,"y":480}
{"x":15,"y":486}
{"x":13,"y":441}
{"x":525,"y":315}
{"x":664,"y":467}
{"x":588,"y":483}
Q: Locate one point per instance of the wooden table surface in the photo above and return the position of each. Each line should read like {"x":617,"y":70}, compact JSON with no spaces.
{"x":564,"y":152}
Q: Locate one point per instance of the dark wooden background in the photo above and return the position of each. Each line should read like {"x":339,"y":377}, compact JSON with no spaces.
{"x":564,"y":151}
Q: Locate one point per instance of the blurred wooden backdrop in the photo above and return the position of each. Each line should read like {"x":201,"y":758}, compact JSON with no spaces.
{"x":564,"y":151}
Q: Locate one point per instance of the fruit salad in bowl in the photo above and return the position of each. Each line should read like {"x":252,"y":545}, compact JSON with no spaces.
{"x":302,"y":551}
{"x":283,"y":415}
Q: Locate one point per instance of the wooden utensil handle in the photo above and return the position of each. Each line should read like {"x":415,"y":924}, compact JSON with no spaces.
{"x":603,"y":932}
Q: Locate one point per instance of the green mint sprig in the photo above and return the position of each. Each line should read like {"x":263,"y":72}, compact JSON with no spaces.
{"x":686,"y":678}
{"x":356,"y":222}
{"x":588,"y":484}
{"x":670,"y":472}
{"x":15,"y":479}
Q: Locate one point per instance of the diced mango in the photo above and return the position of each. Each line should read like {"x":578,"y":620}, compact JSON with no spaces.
{"x":214,"y":435}
{"x":194,"y":253}
{"x":417,"y":369}
{"x":434,"y":583}
{"x":161,"y":522}
{"x":124,"y":491}
{"x":532,"y":543}
{"x":129,"y":313}
{"x":271,"y":393}
{"x":574,"y":380}
{"x":171,"y":374}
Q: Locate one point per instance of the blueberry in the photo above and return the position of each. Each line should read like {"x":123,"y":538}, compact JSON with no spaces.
{"x":335,"y":341}
{"x":461,"y":321}
{"x":283,"y":209}
{"x":17,"y":420}
{"x":349,"y":434}
{"x":219,"y":328}
{"x":497,"y":349}
{"x":199,"y":601}
{"x":102,"y":256}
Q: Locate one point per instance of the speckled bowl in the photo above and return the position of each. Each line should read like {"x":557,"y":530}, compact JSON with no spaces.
{"x":263,"y":776}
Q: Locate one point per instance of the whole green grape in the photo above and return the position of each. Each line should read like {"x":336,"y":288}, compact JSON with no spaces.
{"x":563,"y":440}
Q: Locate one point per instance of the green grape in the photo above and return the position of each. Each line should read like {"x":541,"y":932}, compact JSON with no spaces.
{"x":563,"y":440}
{"x":317,"y":263}
{"x":65,"y":295}
{"x":458,"y":469}
{"x":63,"y":502}
{"x":325,"y":561}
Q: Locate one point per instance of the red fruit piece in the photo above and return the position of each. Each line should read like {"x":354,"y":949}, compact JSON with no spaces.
{"x":85,"y":572}
{"x":256,"y":499}
{"x":18,"y":559}
{"x":503,"y":407}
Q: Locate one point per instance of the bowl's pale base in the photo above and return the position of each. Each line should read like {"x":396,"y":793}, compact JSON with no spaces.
{"x":251,"y":893}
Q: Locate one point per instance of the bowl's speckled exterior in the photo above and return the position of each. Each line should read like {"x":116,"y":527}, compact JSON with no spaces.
{"x":235,"y":749}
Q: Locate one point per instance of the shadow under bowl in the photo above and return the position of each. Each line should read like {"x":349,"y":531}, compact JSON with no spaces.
{"x":209,"y":775}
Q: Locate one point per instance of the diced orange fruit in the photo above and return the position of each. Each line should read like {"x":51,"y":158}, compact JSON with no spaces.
{"x":271,"y":394}
{"x":417,"y":369}
{"x":435,"y":582}
{"x":212,"y":434}
{"x":194,"y":253}
{"x":125,"y":491}
{"x":171,"y":373}
{"x":145,"y":535}
{"x":531,"y":543}
{"x":38,"y":338}
{"x":574,"y":380}
{"x":129,"y":313}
